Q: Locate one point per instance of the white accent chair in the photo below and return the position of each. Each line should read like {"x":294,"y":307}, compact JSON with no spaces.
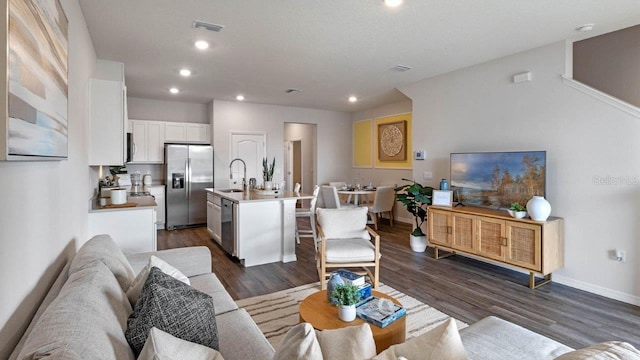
{"x":344,"y":241}
{"x":383,"y":203}
{"x":311,"y":213}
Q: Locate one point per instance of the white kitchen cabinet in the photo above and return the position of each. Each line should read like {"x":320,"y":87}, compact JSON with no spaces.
{"x":214,"y":217}
{"x":107,"y":122}
{"x":187,"y":132}
{"x":134,"y":231}
{"x":148,"y":141}
{"x":158,"y":192}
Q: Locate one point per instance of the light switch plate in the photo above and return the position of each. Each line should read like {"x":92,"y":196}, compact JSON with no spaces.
{"x":427,"y":175}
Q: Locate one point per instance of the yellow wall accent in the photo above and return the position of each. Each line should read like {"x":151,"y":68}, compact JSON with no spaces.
{"x":406,"y":164}
{"x":362,"y":144}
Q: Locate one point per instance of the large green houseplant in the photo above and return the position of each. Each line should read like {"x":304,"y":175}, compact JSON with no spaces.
{"x":415,"y":198}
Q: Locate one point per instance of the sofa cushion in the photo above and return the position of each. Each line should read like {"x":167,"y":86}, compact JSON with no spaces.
{"x":441,"y":342}
{"x":164,"y":346}
{"x":103,"y":248}
{"x":351,"y":342}
{"x":493,"y":338}
{"x":87,"y":318}
{"x":174,"y":307}
{"x":299,"y":342}
{"x":240,"y":338}
{"x":610,"y":350}
{"x":344,"y":223}
{"x":134,"y":290}
{"x":210,"y":285}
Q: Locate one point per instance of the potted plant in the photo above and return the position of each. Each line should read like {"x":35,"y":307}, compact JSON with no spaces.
{"x":517,"y":211}
{"x":415,"y":198}
{"x":346,"y":297}
{"x":267,"y":172}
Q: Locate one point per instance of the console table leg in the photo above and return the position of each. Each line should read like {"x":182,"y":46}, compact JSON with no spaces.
{"x":532,"y":280}
{"x":437,"y":256}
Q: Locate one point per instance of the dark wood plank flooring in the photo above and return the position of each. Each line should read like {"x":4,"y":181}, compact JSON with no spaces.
{"x":464,"y":288}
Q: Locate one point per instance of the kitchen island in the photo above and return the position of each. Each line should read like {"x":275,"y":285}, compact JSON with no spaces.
{"x":257,"y":228}
{"x":133,"y":228}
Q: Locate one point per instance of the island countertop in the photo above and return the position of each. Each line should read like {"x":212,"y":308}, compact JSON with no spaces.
{"x":245,"y":196}
{"x":142,"y":202}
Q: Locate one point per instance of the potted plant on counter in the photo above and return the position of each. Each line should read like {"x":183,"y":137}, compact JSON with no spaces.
{"x":415,"y":198}
{"x":517,"y":211}
{"x":267,"y":172}
{"x":346,"y":297}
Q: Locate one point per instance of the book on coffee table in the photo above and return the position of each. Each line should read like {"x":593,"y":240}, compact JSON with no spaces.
{"x":380,"y":312}
{"x":350,"y":278}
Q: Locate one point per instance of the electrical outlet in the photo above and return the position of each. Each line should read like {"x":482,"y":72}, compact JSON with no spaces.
{"x":621,"y":255}
{"x":427,"y":175}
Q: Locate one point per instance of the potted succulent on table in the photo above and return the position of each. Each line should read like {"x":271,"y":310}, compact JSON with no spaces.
{"x":346,"y":297}
{"x":267,"y":172}
{"x":416,"y":198}
{"x":517,"y":211}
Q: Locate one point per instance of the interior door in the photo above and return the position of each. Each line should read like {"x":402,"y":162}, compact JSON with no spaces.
{"x":251,"y":148}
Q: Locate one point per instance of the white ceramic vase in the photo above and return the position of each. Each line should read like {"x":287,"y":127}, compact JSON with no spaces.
{"x":418,"y":243}
{"x":347,"y":313}
{"x":538,"y":208}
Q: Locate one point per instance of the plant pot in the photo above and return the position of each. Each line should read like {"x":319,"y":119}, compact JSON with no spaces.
{"x":347,"y":313}
{"x":517,"y":214}
{"x":418,"y":243}
{"x":538,"y":208}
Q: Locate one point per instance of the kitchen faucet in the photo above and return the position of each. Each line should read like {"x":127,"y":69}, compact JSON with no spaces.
{"x":244,"y":179}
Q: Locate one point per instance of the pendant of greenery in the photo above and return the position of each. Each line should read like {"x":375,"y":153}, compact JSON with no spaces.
{"x":344,"y":294}
{"x":267,"y":171}
{"x":416,"y":198}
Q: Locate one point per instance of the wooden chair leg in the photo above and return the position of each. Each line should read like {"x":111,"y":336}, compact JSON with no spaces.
{"x":391,"y":217}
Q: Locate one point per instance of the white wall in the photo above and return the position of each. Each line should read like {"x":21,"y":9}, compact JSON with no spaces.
{"x":333,"y":136}
{"x":385,"y":176}
{"x":480,"y":109}
{"x":148,"y":109}
{"x":44,"y":204}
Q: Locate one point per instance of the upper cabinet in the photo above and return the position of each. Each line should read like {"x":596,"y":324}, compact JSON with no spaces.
{"x":187,"y":132}
{"x":107,"y":115}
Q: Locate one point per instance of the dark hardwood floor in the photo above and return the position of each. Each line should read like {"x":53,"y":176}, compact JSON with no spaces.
{"x":461,"y":287}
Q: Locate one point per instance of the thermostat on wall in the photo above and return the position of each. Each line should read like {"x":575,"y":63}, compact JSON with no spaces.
{"x":420,"y":155}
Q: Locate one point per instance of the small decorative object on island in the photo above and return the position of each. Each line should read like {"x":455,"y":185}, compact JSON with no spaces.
{"x":517,"y":211}
{"x":539,"y":208}
{"x":346,"y":297}
{"x":333,"y":281}
{"x":267,"y":172}
{"x":416,"y":197}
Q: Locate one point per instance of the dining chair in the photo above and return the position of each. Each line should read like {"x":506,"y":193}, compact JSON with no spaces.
{"x":330,"y":197}
{"x":311,"y":213}
{"x":345,"y":241}
{"x":340,"y":185}
{"x":383,"y":203}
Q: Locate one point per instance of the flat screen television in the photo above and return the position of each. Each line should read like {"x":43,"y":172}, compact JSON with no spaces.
{"x":498,"y":179}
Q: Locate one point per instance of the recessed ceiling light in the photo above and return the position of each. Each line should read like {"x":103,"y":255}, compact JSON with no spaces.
{"x":185,"y":72}
{"x":174,"y":90}
{"x":585,"y":28}
{"x":202,"y":45}
{"x":353,"y":99}
{"x":392,"y":3}
{"x":240,"y":97}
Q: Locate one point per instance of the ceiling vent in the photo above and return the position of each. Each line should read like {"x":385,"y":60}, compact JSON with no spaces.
{"x":292,"y":90}
{"x":401,"y":68}
{"x":207,"y":26}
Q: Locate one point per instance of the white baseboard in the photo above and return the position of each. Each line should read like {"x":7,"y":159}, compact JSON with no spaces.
{"x":598,"y":290}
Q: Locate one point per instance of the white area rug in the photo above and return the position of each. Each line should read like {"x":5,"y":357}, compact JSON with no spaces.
{"x":276,"y":313}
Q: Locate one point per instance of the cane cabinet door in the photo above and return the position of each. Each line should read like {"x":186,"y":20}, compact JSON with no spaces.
{"x":463,"y":233}
{"x":491,"y":237}
{"x":523,"y":245}
{"x":439,"y":228}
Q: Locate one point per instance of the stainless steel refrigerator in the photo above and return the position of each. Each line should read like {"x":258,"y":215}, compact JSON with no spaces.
{"x":188,"y":171}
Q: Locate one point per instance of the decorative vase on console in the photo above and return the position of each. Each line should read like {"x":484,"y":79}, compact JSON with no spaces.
{"x":334,"y":281}
{"x":538,"y":208}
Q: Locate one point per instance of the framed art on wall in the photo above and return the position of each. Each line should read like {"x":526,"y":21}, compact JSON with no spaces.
{"x":35,"y":101}
{"x":392,"y":141}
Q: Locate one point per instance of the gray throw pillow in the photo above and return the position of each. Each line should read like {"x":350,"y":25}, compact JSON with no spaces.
{"x":173,"y":307}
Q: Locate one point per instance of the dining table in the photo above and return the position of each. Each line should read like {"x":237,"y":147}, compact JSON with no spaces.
{"x":356,"y":193}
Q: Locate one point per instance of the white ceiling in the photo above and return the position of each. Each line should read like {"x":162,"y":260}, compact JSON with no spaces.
{"x":330,"y":49}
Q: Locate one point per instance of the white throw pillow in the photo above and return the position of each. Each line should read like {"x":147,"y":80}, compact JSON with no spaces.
{"x":351,"y":342}
{"x":164,"y":346}
{"x":609,"y":350}
{"x":344,"y":223}
{"x":134,"y":290}
{"x":299,"y":343}
{"x":442,"y":342}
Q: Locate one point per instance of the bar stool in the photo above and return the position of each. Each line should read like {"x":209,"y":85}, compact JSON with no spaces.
{"x":308,"y":212}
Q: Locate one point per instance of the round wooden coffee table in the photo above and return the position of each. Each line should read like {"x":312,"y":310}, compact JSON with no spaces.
{"x":317,"y":311}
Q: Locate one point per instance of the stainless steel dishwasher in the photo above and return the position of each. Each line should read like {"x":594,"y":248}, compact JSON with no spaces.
{"x":228,"y":225}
